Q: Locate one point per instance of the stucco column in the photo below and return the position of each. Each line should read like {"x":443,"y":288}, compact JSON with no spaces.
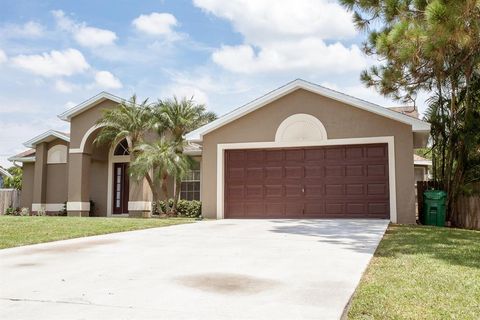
{"x":140,"y":199}
{"x":78,"y":185}
{"x":40,"y":178}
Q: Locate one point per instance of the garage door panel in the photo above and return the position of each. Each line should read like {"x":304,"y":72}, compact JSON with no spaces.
{"x":354,"y":153}
{"x":354,"y":189}
{"x":293,"y":191}
{"x":253,"y":192}
{"x":358,"y":208}
{"x":293,"y":172}
{"x":332,"y":181}
{"x":235,"y":192}
{"x":274,"y":172}
{"x":334,"y":190}
{"x":294,"y":155}
{"x":273,"y":209}
{"x":293,"y":209}
{"x":316,"y":208}
{"x":376,"y":152}
{"x":274,"y":191}
{"x":334,"y":171}
{"x":334,"y":208}
{"x":254,"y":173}
{"x":354,"y":171}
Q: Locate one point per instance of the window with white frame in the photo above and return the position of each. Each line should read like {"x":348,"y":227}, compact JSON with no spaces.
{"x":190,"y":189}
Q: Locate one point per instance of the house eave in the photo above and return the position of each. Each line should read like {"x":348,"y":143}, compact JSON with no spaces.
{"x":416,"y":124}
{"x":45,"y":137}
{"x":87,"y":104}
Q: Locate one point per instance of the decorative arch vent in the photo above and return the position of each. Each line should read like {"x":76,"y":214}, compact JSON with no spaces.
{"x":301,"y":127}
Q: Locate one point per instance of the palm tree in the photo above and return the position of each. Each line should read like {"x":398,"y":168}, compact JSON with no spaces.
{"x":161,"y":160}
{"x":129,"y":121}
{"x":178,"y":117}
{"x":174,"y":119}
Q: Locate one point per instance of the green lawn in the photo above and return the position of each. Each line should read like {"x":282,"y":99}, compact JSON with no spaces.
{"x":19,"y":231}
{"x":421,"y":273}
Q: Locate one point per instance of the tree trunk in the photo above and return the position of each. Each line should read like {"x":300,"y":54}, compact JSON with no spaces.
{"x":168,"y":210}
{"x":176,"y":194}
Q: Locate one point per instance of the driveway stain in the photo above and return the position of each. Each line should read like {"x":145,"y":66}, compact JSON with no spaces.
{"x":65,"y":247}
{"x":25,"y":264}
{"x":227,"y":283}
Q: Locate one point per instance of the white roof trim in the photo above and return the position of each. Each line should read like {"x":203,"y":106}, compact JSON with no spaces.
{"x":422,"y":162}
{"x":87,"y":104}
{"x":21,"y":159}
{"x":197,"y":135}
{"x":5,"y":172}
{"x":42,"y":137}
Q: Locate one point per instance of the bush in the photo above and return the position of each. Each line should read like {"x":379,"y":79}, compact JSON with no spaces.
{"x":17,"y":211}
{"x":11,"y":211}
{"x":185,"y":208}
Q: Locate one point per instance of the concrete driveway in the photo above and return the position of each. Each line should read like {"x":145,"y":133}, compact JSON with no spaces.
{"x":226,"y":269}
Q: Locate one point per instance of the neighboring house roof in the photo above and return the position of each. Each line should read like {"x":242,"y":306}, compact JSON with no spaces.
{"x":192,"y":149}
{"x":47,"y":136}
{"x":417,"y":125}
{"x":407,"y":110}
{"x":5,"y":173}
{"x":25,"y":156}
{"x":87,"y":104}
{"x":421,"y":161}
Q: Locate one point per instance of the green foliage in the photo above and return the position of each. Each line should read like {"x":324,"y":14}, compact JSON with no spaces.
{"x":15,"y":182}
{"x":11,"y":211}
{"x":129,"y":120}
{"x":162,"y":158}
{"x":430,"y":46}
{"x":186,"y":208}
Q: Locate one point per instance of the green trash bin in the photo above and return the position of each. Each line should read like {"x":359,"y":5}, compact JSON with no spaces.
{"x":434,"y":208}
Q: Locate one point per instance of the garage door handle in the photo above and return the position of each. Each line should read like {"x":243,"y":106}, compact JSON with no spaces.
{"x":303,"y":190}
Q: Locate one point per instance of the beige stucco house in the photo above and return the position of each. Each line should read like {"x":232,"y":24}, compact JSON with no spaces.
{"x":300,"y":151}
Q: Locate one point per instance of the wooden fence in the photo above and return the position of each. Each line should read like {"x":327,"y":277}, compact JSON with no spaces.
{"x":467,"y":213}
{"x":9,"y":198}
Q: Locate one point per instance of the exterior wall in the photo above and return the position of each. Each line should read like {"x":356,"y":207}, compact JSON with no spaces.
{"x":98,"y":180}
{"x":340,"y":120}
{"x":57,"y":179}
{"x":80,"y":124}
{"x":26,"y":196}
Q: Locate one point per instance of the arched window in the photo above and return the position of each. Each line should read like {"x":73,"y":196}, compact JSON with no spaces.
{"x":57,"y":154}
{"x":122,"y":148}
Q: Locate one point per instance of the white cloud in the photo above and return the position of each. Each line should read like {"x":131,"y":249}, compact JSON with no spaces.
{"x":94,"y":37}
{"x":186,"y":91}
{"x":305,"y":54}
{"x":107,"y":80}
{"x":64,"y":86}
{"x":30,"y":29}
{"x":272,"y":20}
{"x":158,"y":24}
{"x":70,"y":105}
{"x":84,"y":35}
{"x":3,"y":56}
{"x":55,"y":63}
{"x":282,"y":36}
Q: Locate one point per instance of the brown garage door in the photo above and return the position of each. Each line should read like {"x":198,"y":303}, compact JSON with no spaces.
{"x":319,"y":182}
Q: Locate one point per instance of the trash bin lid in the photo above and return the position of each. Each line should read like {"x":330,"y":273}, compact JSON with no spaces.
{"x":435,"y":194}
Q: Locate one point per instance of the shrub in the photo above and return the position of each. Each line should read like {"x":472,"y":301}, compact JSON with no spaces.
{"x":11,"y":211}
{"x":185,"y":208}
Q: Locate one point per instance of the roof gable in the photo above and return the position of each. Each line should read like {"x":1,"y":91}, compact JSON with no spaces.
{"x":47,"y":136}
{"x":417,"y":125}
{"x":87,"y":104}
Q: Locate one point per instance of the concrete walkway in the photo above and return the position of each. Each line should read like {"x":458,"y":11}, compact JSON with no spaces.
{"x":226,"y":269}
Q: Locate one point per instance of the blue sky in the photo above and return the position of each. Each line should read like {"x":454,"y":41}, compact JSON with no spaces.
{"x":56,"y":54}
